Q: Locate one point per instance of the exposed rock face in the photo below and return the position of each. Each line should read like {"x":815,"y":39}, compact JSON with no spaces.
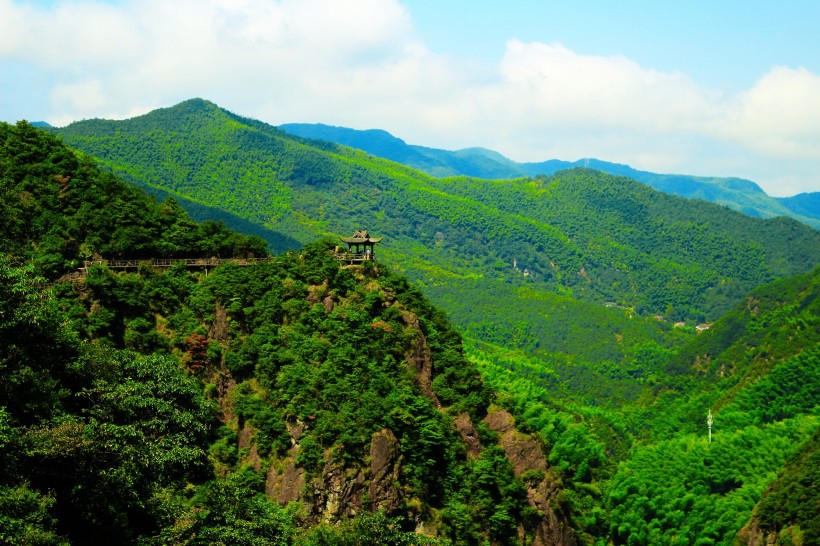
{"x":499,"y":420}
{"x":285,"y":484}
{"x":338,"y":493}
{"x":219,"y":327}
{"x":469,"y":435}
{"x":245,"y":440}
{"x":526,"y":453}
{"x":420,"y":358}
{"x":328,"y":304}
{"x":752,"y":535}
{"x":385,"y":463}
{"x":296,"y":430}
{"x":316,"y":292}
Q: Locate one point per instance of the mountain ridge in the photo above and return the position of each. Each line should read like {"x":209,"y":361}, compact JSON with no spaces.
{"x":739,"y":194}
{"x":276,"y":402}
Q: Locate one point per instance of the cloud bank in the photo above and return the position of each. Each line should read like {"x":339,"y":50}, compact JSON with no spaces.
{"x":361,"y":64}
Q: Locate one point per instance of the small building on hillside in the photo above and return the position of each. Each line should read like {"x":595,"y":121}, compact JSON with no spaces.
{"x":360,"y":248}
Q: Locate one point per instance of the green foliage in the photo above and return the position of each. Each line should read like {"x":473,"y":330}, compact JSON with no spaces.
{"x":25,"y":517}
{"x":686,"y":490}
{"x":793,"y":500}
{"x":365,"y":529}
{"x":59,"y":209}
{"x":88,"y":433}
{"x":230,"y":512}
{"x":253,"y":407}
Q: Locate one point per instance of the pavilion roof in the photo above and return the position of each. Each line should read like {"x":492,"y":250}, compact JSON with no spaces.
{"x":361,"y":236}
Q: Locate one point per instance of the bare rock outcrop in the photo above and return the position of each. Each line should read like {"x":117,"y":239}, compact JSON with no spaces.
{"x":385,"y":464}
{"x":469,"y":435}
{"x":753,"y":535}
{"x":338,"y":493}
{"x":420,"y":358}
{"x":219,"y":326}
{"x":527,"y":455}
{"x":245,"y":440}
{"x":285,"y":483}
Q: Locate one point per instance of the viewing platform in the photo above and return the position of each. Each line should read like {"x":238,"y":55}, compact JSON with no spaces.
{"x":352,"y":257}
{"x":360,"y":248}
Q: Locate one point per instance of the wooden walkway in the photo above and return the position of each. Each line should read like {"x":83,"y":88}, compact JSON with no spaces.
{"x":159,"y":263}
{"x":164,"y":263}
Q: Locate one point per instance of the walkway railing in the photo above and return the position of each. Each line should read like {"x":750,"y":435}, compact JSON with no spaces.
{"x":160,"y":263}
{"x":170,"y":262}
{"x":354,"y":256}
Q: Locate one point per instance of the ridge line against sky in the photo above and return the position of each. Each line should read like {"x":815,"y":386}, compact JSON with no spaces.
{"x":701,"y":88}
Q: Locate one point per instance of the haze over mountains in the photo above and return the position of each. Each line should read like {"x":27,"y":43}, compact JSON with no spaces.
{"x":735,"y":193}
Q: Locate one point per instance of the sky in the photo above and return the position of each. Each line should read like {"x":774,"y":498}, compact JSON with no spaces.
{"x":708,"y":88}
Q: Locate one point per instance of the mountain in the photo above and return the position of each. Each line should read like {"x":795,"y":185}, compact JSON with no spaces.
{"x":788,"y":511}
{"x":736,"y":193}
{"x":650,"y":459}
{"x":294,"y":400}
{"x":477,"y":162}
{"x":807,"y":204}
{"x":184,"y":399}
{"x":758,"y":369}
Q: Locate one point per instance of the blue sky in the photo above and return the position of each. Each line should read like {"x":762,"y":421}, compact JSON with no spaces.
{"x":719,"y":88}
{"x":721,"y":43}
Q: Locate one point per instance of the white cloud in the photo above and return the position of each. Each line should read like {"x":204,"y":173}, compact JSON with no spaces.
{"x":360,"y":63}
{"x":780,"y":116}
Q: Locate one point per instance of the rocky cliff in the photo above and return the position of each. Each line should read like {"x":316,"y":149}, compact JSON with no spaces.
{"x":357,"y":398}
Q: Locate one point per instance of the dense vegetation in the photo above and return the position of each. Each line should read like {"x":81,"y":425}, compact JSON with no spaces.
{"x":596,"y":236}
{"x":58,"y":209}
{"x":157,"y":406}
{"x":790,"y":507}
{"x":644,"y":472}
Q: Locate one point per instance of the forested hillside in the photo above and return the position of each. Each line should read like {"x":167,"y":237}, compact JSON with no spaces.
{"x":738,"y":194}
{"x":294,"y":401}
{"x":645,"y":472}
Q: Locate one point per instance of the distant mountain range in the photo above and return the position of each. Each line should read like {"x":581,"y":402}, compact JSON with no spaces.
{"x":736,"y":193}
